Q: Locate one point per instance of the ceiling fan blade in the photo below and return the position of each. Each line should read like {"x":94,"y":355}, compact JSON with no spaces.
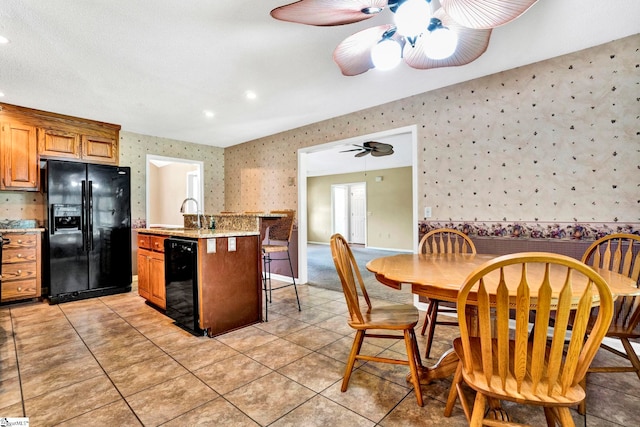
{"x":378,"y":146}
{"x":472,"y":44}
{"x":363,"y":153}
{"x":347,"y":151}
{"x":376,"y":153}
{"x":328,"y":12}
{"x":353,"y":54}
{"x":483,"y":14}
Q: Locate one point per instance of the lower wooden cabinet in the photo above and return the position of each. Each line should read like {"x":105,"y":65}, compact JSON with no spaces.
{"x":151,"y":269}
{"x":21,"y":266}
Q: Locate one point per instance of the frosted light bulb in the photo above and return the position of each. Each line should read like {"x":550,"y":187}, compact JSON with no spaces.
{"x":386,"y":54}
{"x":440,"y":43}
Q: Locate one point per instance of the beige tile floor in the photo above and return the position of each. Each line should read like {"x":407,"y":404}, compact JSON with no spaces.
{"x":116,"y":361}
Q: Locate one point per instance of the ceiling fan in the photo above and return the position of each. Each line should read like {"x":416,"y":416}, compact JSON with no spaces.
{"x":377,"y":149}
{"x":426,"y":33}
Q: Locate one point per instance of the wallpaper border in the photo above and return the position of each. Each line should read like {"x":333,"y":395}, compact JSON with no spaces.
{"x":532,"y":230}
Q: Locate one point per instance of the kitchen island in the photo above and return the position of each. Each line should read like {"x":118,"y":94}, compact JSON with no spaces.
{"x":228,"y":275}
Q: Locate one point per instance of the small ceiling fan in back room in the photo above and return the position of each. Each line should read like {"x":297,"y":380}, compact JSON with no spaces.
{"x":376,"y":149}
{"x":425,"y":33}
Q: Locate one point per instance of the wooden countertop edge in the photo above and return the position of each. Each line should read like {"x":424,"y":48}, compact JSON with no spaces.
{"x":21,"y":230}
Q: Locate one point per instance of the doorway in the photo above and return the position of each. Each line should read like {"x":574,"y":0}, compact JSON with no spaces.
{"x":170,"y":180}
{"x":349,"y":211}
{"x":407,"y":134}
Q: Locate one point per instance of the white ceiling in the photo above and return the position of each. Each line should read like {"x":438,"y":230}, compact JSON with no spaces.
{"x":153,"y":66}
{"x":331,"y":159}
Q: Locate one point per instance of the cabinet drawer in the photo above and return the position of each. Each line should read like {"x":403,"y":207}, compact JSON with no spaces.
{"x":19,"y":271}
{"x":19,"y":240}
{"x":19,"y":289}
{"x":144,"y":241}
{"x":20,"y":255}
{"x":157,"y":243}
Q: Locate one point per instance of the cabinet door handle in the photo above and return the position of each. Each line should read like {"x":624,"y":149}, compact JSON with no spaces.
{"x":19,"y":255}
{"x":19,"y":271}
{"x":19,"y":241}
{"x":19,"y":288}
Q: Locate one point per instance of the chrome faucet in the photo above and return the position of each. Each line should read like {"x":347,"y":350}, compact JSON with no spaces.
{"x":198,"y":213}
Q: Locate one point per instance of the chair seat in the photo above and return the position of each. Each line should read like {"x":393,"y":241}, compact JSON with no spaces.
{"x":399,"y":316}
{"x":622,"y":331}
{"x":274,"y":248}
{"x":477,"y":380}
{"x":618,"y":328}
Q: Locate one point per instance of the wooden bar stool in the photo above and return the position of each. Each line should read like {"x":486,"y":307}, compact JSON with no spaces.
{"x":278,"y":232}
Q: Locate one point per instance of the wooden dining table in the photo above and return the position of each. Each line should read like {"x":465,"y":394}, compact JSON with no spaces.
{"x":440,"y":276}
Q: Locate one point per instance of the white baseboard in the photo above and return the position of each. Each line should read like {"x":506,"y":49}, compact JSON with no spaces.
{"x":422,"y":306}
{"x":282,"y":278}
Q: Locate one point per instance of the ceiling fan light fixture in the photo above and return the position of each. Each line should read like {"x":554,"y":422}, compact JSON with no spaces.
{"x":440,"y":43}
{"x":386,"y":54}
{"x":431,"y":34}
{"x":412,"y":17}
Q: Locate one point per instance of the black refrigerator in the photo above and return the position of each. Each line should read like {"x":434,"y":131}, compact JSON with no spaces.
{"x":88,"y":222}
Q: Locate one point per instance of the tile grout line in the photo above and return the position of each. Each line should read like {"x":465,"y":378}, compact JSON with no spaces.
{"x":189,"y":371}
{"x":101,"y":367}
{"x":15,"y":349}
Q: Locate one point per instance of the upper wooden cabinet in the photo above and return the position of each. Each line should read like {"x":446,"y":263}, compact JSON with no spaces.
{"x":99,"y":149}
{"x":57,"y":143}
{"x":65,"y":137}
{"x":19,"y":166}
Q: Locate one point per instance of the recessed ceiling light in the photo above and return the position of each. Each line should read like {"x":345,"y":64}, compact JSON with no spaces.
{"x":4,"y":40}
{"x":1,"y":94}
{"x":209,"y":113}
{"x":250,"y":94}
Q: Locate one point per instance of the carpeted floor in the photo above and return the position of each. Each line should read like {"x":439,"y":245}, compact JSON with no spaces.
{"x":322,"y":272}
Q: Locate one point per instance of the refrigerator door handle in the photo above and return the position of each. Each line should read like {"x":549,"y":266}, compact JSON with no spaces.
{"x":85,"y":241}
{"x":90,"y":216}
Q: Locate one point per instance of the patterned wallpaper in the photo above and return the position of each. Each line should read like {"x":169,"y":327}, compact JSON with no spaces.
{"x":22,"y":205}
{"x":557,"y":140}
{"x":133,"y":151}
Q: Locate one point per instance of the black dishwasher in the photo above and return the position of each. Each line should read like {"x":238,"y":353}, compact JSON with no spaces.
{"x":181,"y":283}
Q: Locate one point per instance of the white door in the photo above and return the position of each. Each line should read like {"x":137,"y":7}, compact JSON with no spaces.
{"x":349,"y":211}
{"x":340,"y":202}
{"x":358,"y":212}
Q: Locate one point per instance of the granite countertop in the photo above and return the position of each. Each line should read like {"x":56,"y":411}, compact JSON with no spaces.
{"x":193,"y":233}
{"x":19,"y":226}
{"x":251,"y":214}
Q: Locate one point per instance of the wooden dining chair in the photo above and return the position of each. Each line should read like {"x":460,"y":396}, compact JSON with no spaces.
{"x":504,"y":364}
{"x":442,"y":241}
{"x":620,"y":253}
{"x":278,"y":238}
{"x":397,"y":317}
